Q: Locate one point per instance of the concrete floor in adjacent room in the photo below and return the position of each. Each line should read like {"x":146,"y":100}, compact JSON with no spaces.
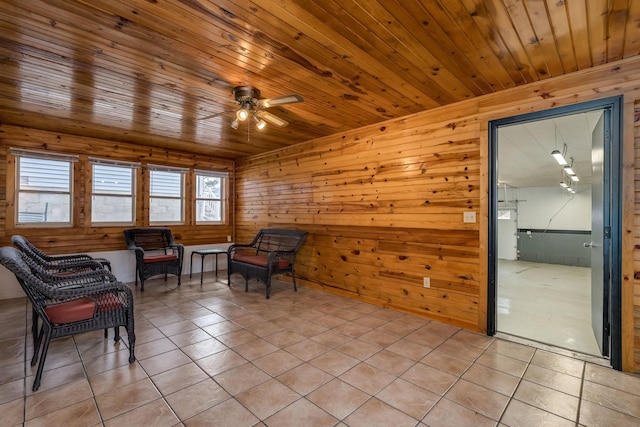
{"x":212,"y":355}
{"x":547,"y":303}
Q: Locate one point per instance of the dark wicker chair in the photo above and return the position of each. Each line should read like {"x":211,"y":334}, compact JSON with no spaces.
{"x":272,"y":251}
{"x":58,"y":262}
{"x":156,"y":253}
{"x":77,"y":303}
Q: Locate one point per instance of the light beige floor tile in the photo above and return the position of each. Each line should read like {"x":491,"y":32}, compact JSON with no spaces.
{"x":221,"y":362}
{"x":221,"y":328}
{"x":479,"y":399}
{"x":178,"y":328}
{"x":118,"y":377}
{"x":183,"y":339}
{"x":623,"y":381}
{"x":331,"y":339}
{"x":549,"y":400}
{"x":178,"y":378}
{"x":338,"y":398}
{"x":521,"y":414}
{"x":165,"y":361}
{"x":390,"y":362}
{"x":126,"y":398}
{"x":13,"y":412}
{"x":83,"y":413}
{"x":446,"y":362}
{"x":379,"y":338}
{"x":449,"y":414}
{"x":512,"y":350}
{"x":106,"y":362}
{"x":492,"y":379}
{"x":429,"y":378}
{"x":611,"y":398}
{"x":408,"y":398}
{"x":305,"y":378}
{"x":277,"y":363}
{"x":410,"y":349}
{"x":358,"y":349}
{"x":230,"y":413}
{"x":284,"y":338}
{"x":553,"y":379}
{"x":367,"y":378}
{"x":267,"y":398}
{"x":236,"y":338}
{"x":154,"y":348}
{"x":502,"y":363}
{"x":204,"y":348}
{"x":334,"y":362}
{"x":42,"y":403}
{"x":241,"y":378}
{"x":375,"y":413}
{"x":460,"y":350}
{"x":307,"y":349}
{"x":352,"y":330}
{"x":558,"y":363}
{"x":255,"y":349}
{"x":301,"y":413}
{"x":196,"y":398}
{"x":593,"y":415}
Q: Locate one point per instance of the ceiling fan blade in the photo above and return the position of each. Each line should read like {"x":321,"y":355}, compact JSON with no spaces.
{"x":292,"y":98}
{"x":211,"y":116}
{"x":272,"y":119}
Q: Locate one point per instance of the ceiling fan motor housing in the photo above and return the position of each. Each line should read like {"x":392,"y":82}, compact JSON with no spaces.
{"x":246,"y":94}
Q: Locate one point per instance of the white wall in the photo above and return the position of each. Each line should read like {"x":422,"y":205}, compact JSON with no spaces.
{"x":554,"y":209}
{"x":123,"y":264}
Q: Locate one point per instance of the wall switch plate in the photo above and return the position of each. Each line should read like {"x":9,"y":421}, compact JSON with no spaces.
{"x":228,"y":238}
{"x":426,"y":282}
{"x":470,"y":217}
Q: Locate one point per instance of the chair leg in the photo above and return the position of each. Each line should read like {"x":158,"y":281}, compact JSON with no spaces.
{"x":34,"y":326}
{"x":45,"y":348}
{"x":131,"y":335}
{"x":106,"y":333}
{"x":293,"y":275}
{"x":36,"y":346}
{"x":268,"y":283}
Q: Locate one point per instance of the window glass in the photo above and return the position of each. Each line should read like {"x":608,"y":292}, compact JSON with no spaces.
{"x":209,"y":198}
{"x":165,"y":198}
{"x":112,"y":198}
{"x":44,"y":191}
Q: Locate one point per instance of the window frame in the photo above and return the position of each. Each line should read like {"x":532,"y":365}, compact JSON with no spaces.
{"x":223,"y":200}
{"x":40,"y":155}
{"x":151,"y":168}
{"x":93,"y":161}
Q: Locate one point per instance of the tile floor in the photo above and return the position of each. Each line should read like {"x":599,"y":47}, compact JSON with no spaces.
{"x":217,"y":356}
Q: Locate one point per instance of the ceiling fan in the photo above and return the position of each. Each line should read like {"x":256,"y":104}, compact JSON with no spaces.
{"x":253,"y":107}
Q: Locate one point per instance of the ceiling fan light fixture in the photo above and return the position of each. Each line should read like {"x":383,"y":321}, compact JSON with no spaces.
{"x":234,"y":124}
{"x":260,"y":124}
{"x":242,"y":114}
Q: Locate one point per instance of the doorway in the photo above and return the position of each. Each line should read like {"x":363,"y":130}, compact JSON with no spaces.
{"x":554,"y":228}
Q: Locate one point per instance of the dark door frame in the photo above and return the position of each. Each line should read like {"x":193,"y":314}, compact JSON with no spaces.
{"x":614,"y":105}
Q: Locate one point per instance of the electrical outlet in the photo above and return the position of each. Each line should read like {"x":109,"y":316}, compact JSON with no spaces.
{"x":228,"y":238}
{"x":469,"y":217}
{"x":426,"y":282}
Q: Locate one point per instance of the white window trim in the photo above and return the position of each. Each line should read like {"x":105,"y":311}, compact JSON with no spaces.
{"x":122,"y":164}
{"x":223,"y":214}
{"x":173,"y":169}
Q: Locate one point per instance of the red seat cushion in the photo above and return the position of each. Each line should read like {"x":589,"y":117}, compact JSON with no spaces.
{"x":82,"y":308}
{"x":260,"y":260}
{"x":71,"y":311}
{"x":159,"y":258}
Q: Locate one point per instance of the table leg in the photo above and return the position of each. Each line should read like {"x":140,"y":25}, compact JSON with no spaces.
{"x":191,"y":266}
{"x":217,"y":265}
{"x":201,"y":269}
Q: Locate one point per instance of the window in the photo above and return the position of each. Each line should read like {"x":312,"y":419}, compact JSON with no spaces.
{"x":166,"y":186}
{"x":112,"y":192}
{"x":43,"y":187}
{"x":210,"y":196}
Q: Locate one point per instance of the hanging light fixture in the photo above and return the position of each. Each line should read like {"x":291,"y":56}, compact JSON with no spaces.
{"x":568,"y":170}
{"x":260,"y":124}
{"x":242,"y":114}
{"x":559,"y":157}
{"x":234,"y":124}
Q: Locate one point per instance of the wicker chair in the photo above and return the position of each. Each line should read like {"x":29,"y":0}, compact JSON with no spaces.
{"x":272,"y":251}
{"x":58,"y":262}
{"x":77,"y":303}
{"x":156,"y":253}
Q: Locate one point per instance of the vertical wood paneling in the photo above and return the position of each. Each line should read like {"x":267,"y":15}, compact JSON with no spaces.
{"x":384,"y":204}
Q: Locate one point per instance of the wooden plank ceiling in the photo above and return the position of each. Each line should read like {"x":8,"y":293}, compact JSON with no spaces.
{"x":146,"y":71}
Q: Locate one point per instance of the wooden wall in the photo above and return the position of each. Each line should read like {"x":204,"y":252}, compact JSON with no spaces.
{"x":384,"y":204}
{"x":81,"y":236}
